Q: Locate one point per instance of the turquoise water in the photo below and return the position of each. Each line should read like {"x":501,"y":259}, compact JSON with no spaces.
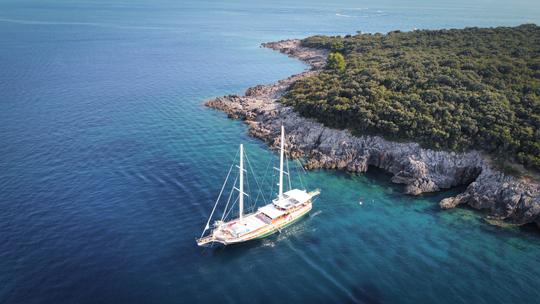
{"x":109,"y":164}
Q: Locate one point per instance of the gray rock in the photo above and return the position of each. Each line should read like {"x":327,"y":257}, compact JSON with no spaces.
{"x":514,"y":200}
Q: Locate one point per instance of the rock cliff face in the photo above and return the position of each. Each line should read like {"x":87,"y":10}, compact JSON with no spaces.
{"x":501,"y":197}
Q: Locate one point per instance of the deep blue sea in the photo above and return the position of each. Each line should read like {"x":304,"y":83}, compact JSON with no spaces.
{"x":110,"y":164}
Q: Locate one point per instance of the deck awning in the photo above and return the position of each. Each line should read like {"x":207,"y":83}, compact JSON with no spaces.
{"x":271,"y":211}
{"x":291,"y":198}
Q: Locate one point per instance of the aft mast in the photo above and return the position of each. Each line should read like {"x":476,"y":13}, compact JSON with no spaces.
{"x":241,"y":190}
{"x":280,"y":197}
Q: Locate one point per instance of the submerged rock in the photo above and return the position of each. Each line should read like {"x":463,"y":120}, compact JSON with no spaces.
{"x":506,"y":198}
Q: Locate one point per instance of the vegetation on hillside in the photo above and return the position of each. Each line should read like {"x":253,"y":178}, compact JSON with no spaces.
{"x":473,"y":88}
{"x":336,"y":61}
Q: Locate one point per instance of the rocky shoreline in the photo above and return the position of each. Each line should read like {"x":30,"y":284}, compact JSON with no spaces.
{"x":503,"y":198}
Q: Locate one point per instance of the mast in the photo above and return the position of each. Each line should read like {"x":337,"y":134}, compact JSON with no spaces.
{"x":241,"y":190}
{"x":280,"y":197}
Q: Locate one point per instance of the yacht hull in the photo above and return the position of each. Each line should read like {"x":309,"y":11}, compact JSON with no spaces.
{"x":261,"y":233}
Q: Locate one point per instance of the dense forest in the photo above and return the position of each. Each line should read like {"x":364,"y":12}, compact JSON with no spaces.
{"x":473,"y":88}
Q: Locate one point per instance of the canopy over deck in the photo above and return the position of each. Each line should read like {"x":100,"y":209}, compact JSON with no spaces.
{"x":291,"y":198}
{"x":271,"y":211}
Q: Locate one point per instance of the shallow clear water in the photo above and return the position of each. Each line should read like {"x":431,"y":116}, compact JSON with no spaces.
{"x":109,"y":164}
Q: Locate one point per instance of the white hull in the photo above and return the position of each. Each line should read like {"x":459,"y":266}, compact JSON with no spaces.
{"x":259,"y":224}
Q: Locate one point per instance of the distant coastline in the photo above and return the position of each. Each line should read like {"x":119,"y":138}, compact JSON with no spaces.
{"x":505,"y":199}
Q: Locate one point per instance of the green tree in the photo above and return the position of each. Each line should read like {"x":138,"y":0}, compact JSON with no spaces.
{"x":335,"y":61}
{"x":337,"y":46}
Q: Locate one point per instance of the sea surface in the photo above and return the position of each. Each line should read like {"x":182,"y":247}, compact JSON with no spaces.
{"x":110,"y":164}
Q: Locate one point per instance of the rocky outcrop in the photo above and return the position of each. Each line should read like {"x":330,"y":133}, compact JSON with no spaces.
{"x":314,"y":57}
{"x":502,"y":197}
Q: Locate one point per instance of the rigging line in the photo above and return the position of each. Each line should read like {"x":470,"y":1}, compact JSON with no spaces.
{"x":249,"y":191}
{"x":302,"y":180}
{"x":251,"y":200}
{"x":288,"y":171}
{"x":265,"y":181}
{"x":229,"y":199}
{"x":297,"y":173}
{"x":253,"y":174}
{"x":272,"y":181}
{"x":272,"y":176}
{"x":250,"y":208}
{"x":219,"y":196}
{"x":234,"y":203}
{"x":300,"y":177}
{"x":302,"y":166}
{"x":255,"y":178}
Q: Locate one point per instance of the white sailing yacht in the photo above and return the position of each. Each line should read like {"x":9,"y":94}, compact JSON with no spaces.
{"x":287,"y":208}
